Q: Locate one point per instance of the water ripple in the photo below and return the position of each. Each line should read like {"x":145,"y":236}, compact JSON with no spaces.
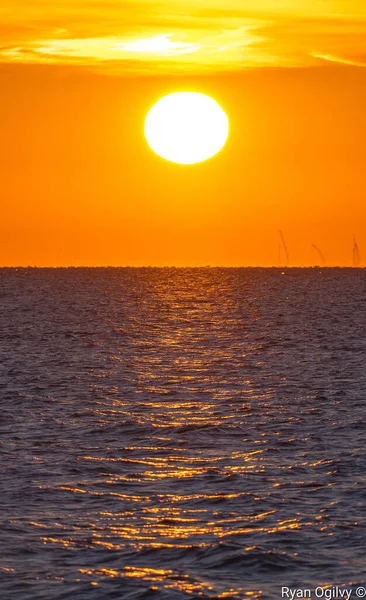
{"x":181,"y":433}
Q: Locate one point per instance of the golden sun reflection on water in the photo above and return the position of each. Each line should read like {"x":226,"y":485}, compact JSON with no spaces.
{"x":167,"y":579}
{"x":184,"y":462}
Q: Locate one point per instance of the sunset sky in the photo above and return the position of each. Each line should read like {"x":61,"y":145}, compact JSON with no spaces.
{"x":79,"y":184}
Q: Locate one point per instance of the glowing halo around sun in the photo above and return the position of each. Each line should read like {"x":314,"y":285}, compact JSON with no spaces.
{"x":186,"y":127}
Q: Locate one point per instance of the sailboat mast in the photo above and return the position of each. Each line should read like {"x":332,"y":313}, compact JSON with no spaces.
{"x":356,"y":253}
{"x":285,"y":248}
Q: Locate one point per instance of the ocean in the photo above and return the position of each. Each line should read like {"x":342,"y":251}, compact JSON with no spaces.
{"x":182,"y":433}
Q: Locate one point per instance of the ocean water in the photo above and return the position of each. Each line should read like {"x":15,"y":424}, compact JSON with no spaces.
{"x":181,"y":433}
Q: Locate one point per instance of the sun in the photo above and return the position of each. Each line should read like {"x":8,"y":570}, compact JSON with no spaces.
{"x":186,"y":127}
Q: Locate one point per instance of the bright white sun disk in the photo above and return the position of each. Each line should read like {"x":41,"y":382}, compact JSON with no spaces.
{"x":186,"y":127}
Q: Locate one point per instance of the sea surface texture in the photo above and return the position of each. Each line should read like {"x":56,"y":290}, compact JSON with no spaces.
{"x":170,"y":434}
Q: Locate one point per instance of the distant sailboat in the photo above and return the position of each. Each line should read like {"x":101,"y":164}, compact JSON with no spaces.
{"x":283,"y":245}
{"x":356,"y":253}
{"x":319,"y":253}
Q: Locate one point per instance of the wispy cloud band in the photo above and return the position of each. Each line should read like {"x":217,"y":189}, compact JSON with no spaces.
{"x":173,"y":36}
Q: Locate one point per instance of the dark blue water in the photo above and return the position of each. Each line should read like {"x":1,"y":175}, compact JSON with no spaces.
{"x":181,"y":433}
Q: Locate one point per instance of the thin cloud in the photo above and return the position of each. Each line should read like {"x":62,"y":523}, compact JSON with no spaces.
{"x":179,"y":36}
{"x":340,"y":60}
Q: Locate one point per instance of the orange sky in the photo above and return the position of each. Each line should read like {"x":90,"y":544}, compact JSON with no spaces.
{"x":79,"y":185}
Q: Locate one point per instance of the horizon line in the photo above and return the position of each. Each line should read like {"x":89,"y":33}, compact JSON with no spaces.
{"x":317,"y":267}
